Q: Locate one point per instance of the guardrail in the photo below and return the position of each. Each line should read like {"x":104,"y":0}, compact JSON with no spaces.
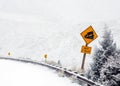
{"x":67,"y":72}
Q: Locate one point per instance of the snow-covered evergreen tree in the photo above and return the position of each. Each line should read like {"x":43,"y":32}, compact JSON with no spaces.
{"x":107,"y":48}
{"x":110,"y":73}
{"x":94,"y":72}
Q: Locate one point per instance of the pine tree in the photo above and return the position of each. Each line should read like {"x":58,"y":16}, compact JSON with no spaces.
{"x":107,"y":48}
{"x":110,"y":73}
{"x":94,"y":73}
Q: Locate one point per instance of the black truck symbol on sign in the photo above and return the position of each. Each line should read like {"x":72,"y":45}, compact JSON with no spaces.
{"x":89,"y":35}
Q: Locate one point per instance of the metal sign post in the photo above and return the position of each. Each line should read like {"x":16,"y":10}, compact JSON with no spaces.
{"x":83,"y":61}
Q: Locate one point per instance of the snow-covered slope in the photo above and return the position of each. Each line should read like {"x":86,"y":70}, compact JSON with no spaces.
{"x":20,"y":74}
{"x":31,"y":28}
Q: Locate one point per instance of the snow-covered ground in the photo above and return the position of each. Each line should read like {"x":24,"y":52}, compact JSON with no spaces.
{"x":31,"y":28}
{"x":21,"y":74}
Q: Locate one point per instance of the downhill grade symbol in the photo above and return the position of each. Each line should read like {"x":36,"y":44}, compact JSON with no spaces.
{"x":89,"y":35}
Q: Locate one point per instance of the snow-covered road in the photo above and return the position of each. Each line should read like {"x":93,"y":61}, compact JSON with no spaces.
{"x":20,"y":74}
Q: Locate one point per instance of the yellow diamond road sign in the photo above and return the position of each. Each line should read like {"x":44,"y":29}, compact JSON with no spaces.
{"x":89,"y":35}
{"x":86,"y":49}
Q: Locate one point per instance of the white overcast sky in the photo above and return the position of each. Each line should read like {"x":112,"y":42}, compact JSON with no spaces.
{"x":65,"y":10}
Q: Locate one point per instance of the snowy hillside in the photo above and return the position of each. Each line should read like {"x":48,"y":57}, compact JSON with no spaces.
{"x":20,"y":74}
{"x":31,"y":28}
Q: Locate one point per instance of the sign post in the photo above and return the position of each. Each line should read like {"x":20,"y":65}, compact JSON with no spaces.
{"x":83,"y":61}
{"x":88,"y":35}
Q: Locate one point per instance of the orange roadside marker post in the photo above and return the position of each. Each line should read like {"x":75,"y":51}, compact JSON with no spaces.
{"x":9,"y":53}
{"x":45,"y":56}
